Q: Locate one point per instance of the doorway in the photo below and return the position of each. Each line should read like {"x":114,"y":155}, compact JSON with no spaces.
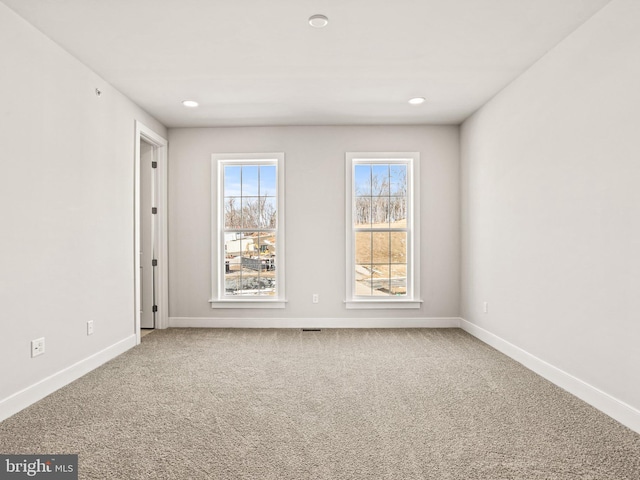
{"x":150,"y":245}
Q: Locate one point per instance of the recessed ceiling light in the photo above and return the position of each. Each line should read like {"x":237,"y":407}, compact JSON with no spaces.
{"x":417,"y":101}
{"x":190,"y":103}
{"x":318,"y":21}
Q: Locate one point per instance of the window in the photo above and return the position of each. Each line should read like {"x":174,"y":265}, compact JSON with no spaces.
{"x":382,"y":230}
{"x":248,"y":236}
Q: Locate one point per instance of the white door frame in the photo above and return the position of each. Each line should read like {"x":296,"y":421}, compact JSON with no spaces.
{"x":162,"y":280}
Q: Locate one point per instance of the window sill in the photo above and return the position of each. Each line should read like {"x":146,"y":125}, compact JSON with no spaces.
{"x":355,"y":304}
{"x":246,"y":303}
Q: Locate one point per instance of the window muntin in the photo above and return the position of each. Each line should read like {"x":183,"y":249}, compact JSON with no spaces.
{"x":248,"y":263}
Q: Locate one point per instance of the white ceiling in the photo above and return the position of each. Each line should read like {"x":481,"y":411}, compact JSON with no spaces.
{"x":254,"y":62}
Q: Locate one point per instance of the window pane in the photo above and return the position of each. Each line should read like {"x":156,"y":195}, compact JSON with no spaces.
{"x":268,"y":181}
{"x":231,"y":275}
{"x":258,"y":265}
{"x":398,"y":279}
{"x":246,"y":278}
{"x":268,"y":210}
{"x":250,"y":212}
{"x":232,"y":181}
{"x":380,"y":212}
{"x":232,"y":245}
{"x":250,"y":244}
{"x":247,"y":245}
{"x":363,"y":279}
{"x":380,"y":180}
{"x":250,"y":279}
{"x":232,"y":212}
{"x":380,"y":279}
{"x":235,"y":272}
{"x":363,"y":247}
{"x":380,"y":286}
{"x":251,"y":267}
{"x":398,"y":175}
{"x":267,"y":258}
{"x":380,"y":247}
{"x":250,"y":181}
{"x":398,"y":247}
{"x":362,"y":211}
{"x":398,"y":212}
{"x":362,"y":180}
{"x":267,"y":249}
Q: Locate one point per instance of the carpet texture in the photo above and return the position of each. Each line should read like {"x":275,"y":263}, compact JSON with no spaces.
{"x":337,"y":404}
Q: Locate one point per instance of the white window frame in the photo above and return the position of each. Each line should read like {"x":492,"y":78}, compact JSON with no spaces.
{"x":412,"y":298}
{"x":218,"y":298}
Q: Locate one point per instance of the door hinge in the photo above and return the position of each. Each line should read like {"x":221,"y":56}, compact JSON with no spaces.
{"x":154,"y":210}
{"x":154,"y":308}
{"x":154,"y":164}
{"x":154,"y":263}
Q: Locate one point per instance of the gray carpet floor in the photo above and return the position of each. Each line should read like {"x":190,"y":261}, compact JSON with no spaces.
{"x":336,"y":404}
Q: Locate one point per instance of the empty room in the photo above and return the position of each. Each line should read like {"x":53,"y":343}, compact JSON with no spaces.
{"x":340,"y":239}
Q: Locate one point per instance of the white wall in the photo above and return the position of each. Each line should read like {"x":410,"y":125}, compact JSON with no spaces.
{"x":66,"y":200}
{"x":551,"y":210}
{"x":315,"y":242}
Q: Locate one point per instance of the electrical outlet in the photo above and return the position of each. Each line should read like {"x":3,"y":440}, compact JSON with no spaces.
{"x":315,"y":298}
{"x":37,"y":347}
{"x":90,"y":327}
{"x":485,"y":307}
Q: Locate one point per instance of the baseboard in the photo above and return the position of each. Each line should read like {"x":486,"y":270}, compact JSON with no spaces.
{"x":620,"y":411}
{"x":217,"y":322}
{"x":28,"y":396}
